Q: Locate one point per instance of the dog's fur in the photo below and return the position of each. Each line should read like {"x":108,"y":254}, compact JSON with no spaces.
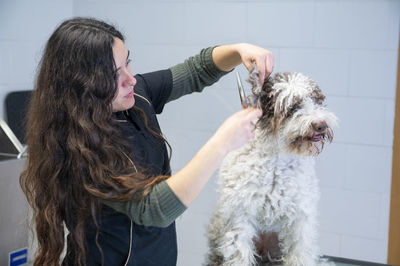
{"x":269,"y":185}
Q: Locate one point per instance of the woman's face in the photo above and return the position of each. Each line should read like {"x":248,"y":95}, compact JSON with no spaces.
{"x":124,"y":99}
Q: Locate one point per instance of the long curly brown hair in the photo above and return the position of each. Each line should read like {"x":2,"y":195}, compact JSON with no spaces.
{"x":76,"y":151}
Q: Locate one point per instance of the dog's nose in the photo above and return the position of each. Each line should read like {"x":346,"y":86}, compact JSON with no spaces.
{"x":319,"y":126}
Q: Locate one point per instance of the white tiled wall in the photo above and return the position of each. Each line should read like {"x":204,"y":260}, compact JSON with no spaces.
{"x":348,"y":47}
{"x":24,"y":28}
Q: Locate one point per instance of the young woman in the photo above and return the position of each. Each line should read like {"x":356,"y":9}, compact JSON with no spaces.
{"x":98,"y":162}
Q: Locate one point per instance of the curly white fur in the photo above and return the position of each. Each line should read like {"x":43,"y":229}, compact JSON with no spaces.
{"x":269,"y":185}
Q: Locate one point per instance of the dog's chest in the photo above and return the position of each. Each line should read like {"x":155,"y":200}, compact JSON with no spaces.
{"x":268,"y":185}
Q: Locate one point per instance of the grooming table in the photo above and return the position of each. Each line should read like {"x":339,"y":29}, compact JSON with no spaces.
{"x":350,"y":262}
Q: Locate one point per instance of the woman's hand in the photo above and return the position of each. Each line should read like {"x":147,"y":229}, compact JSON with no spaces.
{"x":237,"y":130}
{"x":264,"y":59}
{"x":226,"y":57}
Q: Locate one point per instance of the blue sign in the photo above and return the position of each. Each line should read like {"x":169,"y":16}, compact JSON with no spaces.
{"x":18,"y":257}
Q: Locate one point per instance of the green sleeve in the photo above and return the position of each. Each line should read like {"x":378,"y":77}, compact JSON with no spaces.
{"x":159,"y":208}
{"x":194,"y":74}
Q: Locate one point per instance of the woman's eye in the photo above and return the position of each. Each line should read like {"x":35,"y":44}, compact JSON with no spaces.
{"x":128,"y":62}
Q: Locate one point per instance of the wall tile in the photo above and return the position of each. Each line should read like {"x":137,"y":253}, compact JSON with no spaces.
{"x":329,"y":68}
{"x":349,"y":212}
{"x":192,"y":242}
{"x":329,"y":244}
{"x":364,"y":249}
{"x":25,"y":57}
{"x":185,"y":144}
{"x":141,"y":22}
{"x":202,"y":111}
{"x":5,"y":61}
{"x":190,"y":257}
{"x":287,"y":24}
{"x":383,"y":232}
{"x":388,"y":132}
{"x":3,"y":92}
{"x":368,"y":168}
{"x":394,"y":25}
{"x":368,"y":78}
{"x":360,"y":119}
{"x":354,"y":24}
{"x":330,"y":165}
{"x":32,"y":20}
{"x":152,"y":57}
{"x":204,"y":23}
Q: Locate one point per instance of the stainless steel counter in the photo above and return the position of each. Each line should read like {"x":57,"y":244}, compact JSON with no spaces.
{"x":13,"y":212}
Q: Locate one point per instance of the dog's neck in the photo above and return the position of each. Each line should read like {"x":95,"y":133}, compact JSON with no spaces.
{"x":275,"y":147}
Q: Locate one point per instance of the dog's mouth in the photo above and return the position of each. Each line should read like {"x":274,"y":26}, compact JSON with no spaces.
{"x":311,"y":143}
{"x":317,"y":137}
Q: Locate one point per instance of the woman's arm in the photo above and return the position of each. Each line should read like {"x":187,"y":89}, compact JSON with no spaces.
{"x":195,"y":73}
{"x":233,"y":133}
{"x":226,"y":57}
{"x":207,"y":67}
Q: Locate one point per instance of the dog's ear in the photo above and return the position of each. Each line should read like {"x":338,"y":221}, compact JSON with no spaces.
{"x":270,"y":119}
{"x":257,"y":90}
{"x":254,"y":97}
{"x":316,"y":93}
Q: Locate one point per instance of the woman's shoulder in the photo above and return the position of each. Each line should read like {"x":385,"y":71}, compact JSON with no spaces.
{"x":154,"y":88}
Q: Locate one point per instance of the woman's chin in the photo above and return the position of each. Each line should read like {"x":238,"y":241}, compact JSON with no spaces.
{"x":124,"y":106}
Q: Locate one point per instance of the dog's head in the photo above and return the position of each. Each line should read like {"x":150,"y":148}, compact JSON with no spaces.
{"x":293,"y":112}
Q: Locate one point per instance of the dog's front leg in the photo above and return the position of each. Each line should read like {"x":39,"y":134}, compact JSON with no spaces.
{"x":298,"y":242}
{"x":238,"y":246}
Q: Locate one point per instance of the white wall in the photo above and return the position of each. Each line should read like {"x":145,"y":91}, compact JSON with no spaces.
{"x":24,"y":28}
{"x":348,"y":47}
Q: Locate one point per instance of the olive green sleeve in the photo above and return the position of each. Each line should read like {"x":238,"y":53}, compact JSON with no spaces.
{"x":194,"y":74}
{"x":159,"y":208}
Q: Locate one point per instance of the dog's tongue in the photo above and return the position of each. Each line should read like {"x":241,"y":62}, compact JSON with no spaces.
{"x":317,"y":137}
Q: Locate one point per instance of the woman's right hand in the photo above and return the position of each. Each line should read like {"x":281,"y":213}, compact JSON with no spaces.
{"x":237,"y":130}
{"x":233,"y":133}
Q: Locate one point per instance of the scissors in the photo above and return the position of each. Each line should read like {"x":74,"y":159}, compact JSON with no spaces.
{"x":243,"y":98}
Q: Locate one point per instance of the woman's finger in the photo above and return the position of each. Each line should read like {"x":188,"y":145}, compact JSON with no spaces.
{"x":270,"y":63}
{"x":261,"y":70}
{"x":254,"y":113}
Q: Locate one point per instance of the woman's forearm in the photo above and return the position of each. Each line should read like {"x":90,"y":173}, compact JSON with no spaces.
{"x":190,"y":180}
{"x":226,"y":57}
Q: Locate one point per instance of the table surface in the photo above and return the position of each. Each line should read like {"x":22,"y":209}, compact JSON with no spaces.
{"x":350,"y":262}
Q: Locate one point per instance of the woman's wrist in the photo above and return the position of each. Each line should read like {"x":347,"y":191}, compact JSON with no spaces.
{"x":219,"y":146}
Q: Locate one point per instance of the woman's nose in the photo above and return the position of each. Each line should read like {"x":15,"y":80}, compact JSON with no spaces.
{"x":129,"y":81}
{"x":133,"y":80}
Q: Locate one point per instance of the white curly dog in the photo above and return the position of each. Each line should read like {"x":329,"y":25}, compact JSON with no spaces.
{"x":269,"y":185}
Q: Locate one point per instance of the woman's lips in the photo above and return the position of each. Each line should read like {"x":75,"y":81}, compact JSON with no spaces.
{"x":129,"y":95}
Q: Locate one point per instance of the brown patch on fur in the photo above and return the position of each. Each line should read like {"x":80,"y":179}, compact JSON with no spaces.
{"x":272,"y":117}
{"x":317,"y":94}
{"x":267,"y":246}
{"x":266,"y":102}
{"x":295,"y":106}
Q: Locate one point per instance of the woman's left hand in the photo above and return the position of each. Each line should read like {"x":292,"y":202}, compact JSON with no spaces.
{"x":263,"y":58}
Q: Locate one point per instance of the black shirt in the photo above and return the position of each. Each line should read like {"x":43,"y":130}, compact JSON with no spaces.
{"x":124,"y":242}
